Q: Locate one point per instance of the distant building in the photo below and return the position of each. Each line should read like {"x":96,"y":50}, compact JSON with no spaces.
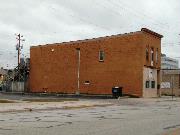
{"x":168,"y":63}
{"x":170,"y":84}
{"x":95,"y":66}
{"x":3,"y":73}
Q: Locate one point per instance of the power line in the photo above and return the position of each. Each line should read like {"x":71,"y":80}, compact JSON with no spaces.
{"x":85,"y":21}
{"x":135,"y":13}
{"x":143,"y":14}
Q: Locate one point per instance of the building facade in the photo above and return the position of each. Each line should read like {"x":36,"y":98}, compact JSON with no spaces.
{"x":169,"y":63}
{"x":94,"y":66}
{"x":170,"y":84}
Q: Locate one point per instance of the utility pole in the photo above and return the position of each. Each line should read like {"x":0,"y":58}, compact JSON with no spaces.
{"x":18,"y":48}
{"x":19,"y":44}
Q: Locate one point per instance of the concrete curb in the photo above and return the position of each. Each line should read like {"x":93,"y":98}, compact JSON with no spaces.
{"x":86,"y":96}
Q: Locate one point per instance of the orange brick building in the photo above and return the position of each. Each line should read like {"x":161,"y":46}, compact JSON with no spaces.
{"x":94,"y":66}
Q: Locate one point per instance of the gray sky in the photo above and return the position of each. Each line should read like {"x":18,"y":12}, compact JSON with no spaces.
{"x":52,"y":21}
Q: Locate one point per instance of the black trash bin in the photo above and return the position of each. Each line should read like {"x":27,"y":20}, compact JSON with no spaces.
{"x":117,"y":92}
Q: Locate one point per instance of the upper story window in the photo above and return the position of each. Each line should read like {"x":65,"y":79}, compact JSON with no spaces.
{"x":152,"y":56}
{"x":157,"y":56}
{"x":147,"y":54}
{"x":101,"y":55}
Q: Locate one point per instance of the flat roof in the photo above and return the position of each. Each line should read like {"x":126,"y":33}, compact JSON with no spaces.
{"x":106,"y":37}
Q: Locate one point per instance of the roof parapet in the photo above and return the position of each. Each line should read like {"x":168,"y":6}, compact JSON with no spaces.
{"x":152,"y":32}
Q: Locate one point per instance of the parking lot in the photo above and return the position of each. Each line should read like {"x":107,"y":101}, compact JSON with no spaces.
{"x":124,"y":116}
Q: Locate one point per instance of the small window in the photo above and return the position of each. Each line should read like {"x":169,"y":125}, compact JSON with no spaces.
{"x":52,"y":50}
{"x":101,"y":55}
{"x":86,"y":82}
{"x":147,"y":84}
{"x":153,"y":84}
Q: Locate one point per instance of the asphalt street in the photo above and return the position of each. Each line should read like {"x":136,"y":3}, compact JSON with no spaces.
{"x":127,"y":116}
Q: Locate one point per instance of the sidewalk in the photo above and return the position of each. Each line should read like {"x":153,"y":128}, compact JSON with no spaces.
{"x":39,"y":105}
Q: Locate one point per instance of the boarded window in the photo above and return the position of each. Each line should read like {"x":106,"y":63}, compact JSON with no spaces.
{"x":101,"y":55}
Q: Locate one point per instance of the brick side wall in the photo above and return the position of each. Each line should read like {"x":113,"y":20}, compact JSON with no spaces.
{"x":53,"y":68}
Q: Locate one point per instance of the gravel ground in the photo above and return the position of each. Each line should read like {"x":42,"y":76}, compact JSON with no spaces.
{"x":126,"y":116}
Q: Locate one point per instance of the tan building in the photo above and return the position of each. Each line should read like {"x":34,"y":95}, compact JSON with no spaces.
{"x":94,"y":66}
{"x":170,"y":82}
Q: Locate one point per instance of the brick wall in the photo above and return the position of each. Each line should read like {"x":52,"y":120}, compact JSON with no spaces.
{"x":53,"y":68}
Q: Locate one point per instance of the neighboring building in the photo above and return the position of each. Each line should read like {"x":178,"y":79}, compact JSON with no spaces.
{"x":3,"y":73}
{"x":94,"y":66}
{"x":16,"y":80}
{"x":168,"y":63}
{"x":170,"y":82}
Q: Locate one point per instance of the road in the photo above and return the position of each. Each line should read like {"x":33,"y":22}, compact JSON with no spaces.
{"x":127,"y":116}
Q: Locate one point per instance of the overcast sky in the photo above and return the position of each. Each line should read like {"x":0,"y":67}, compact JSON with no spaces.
{"x":52,"y":21}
